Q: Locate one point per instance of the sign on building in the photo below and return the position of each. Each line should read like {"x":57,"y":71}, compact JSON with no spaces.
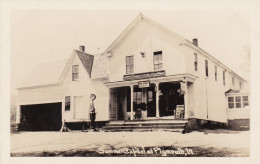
{"x":144,"y":84}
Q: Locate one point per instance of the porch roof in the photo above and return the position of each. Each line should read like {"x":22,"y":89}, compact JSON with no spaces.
{"x":173,"y":78}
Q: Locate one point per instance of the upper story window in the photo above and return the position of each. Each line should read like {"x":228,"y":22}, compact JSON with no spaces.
{"x":206,"y":68}
{"x":157,"y":60}
{"x":224,"y":78}
{"x":75,"y":72}
{"x":216,"y":73}
{"x":67,"y":103}
{"x":238,"y":102}
{"x":129,"y":64}
{"x":195,"y":62}
{"x":233,"y":81}
{"x":240,"y":85}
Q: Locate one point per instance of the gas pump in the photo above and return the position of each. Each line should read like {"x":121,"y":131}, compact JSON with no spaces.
{"x":92,"y":113}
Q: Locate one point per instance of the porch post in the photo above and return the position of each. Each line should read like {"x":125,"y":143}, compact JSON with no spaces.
{"x":186,"y":100}
{"x":132,"y":105}
{"x":18,"y":113}
{"x":157,"y":99}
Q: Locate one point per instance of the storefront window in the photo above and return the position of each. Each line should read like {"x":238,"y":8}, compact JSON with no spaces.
{"x":137,"y":97}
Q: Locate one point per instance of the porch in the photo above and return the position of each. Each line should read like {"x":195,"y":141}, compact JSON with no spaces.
{"x":161,"y":98}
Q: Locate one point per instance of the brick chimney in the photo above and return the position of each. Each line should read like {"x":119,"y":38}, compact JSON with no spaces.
{"x":82,"y":48}
{"x":195,"y":41}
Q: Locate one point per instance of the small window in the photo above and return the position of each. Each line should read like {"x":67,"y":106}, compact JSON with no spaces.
{"x":230,"y":102}
{"x":233,"y":81}
{"x":216,"y":73}
{"x":240,"y":85}
{"x":245,"y":101}
{"x":206,"y":68}
{"x":157,"y":60}
{"x":67,"y":103}
{"x":224,"y":78}
{"x":195,"y":62}
{"x":238,"y":101}
{"x":75,"y":72}
{"x":129,"y":64}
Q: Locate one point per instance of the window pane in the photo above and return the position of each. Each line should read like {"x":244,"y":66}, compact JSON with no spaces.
{"x":238,"y":99}
{"x":157,"y":52}
{"x":238,"y":105}
{"x":139,"y":101}
{"x":75,"y":68}
{"x":156,"y":67}
{"x":67,"y":103}
{"x":131,"y":59}
{"x":230,"y":105}
{"x":160,"y":58}
{"x":150,"y":95}
{"x":230,"y":99}
{"x":127,"y":60}
{"x":139,"y":95}
{"x":134,"y":95}
{"x":75,"y":76}
{"x":160,"y":66}
{"x":132,"y":69}
{"x":245,"y":104}
{"x":128,"y":68}
{"x":156,"y":59}
{"x":245,"y":98}
{"x":195,"y":57}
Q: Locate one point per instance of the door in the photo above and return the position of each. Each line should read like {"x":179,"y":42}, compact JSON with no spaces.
{"x":151,"y":102}
{"x":78,"y":108}
{"x":113,"y":105}
{"x":41,"y":117}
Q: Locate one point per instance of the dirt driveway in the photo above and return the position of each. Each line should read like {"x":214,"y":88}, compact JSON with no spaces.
{"x":213,"y":143}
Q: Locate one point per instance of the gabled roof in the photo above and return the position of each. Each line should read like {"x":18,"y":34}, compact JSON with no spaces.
{"x":53,"y":73}
{"x":100,"y":67}
{"x":44,"y":74}
{"x":86,"y":60}
{"x":182,"y":40}
{"x":137,"y":20}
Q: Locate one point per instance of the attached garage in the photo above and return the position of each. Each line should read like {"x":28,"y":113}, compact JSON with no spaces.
{"x":41,"y":117}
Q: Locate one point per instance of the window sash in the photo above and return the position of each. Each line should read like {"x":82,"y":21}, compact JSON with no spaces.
{"x":75,"y":76}
{"x":216,"y":73}
{"x":224,"y":78}
{"x":157,"y":60}
{"x":75,"y":72}
{"x":67,"y":103}
{"x":129,"y":64}
{"x":231,"y":105}
{"x":75,"y":68}
{"x":206,"y":68}
{"x":195,"y":62}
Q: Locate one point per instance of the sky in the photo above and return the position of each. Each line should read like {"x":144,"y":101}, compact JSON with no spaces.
{"x":39,"y":36}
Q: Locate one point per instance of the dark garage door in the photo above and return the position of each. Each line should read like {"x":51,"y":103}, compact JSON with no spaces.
{"x":41,"y":117}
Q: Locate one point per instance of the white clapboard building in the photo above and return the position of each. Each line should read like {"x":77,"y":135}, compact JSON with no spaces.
{"x":148,"y":76}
